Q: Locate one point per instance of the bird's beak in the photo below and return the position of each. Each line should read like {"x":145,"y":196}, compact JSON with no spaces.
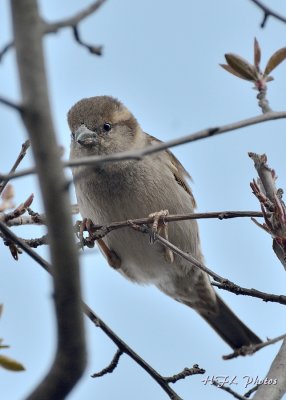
{"x":85,"y":137}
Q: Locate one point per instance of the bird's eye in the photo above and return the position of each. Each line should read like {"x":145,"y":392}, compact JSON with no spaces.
{"x":107,"y":126}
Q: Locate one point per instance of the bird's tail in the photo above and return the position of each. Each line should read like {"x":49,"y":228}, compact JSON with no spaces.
{"x":231,"y":329}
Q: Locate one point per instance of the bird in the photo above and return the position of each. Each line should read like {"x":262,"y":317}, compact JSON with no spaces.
{"x":154,"y":185}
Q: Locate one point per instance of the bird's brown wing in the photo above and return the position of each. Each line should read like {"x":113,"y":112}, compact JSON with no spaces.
{"x":179,"y":172}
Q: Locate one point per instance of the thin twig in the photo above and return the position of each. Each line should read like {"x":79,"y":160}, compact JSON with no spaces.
{"x":195,"y":370}
{"x":228,"y":390}
{"x":111,"y":367}
{"x":178,"y":217}
{"x":238,"y":290}
{"x":203,"y":134}
{"x":10,"y":103}
{"x":275,"y":374}
{"x":138,"y":154}
{"x":23,"y":220}
{"x":252,"y":390}
{"x":92,"y":49}
{"x":252,"y":348}
{"x":268,"y":12}
{"x":127,"y":350}
{"x":20,"y":157}
{"x":270,"y":199}
{"x":53,"y":27}
{"x":38,"y":121}
{"x":5,"y":49}
{"x":95,"y":318}
{"x":75,"y":19}
{"x":225,"y":283}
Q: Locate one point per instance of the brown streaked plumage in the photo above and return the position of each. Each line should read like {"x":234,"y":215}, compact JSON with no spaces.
{"x":134,"y":189}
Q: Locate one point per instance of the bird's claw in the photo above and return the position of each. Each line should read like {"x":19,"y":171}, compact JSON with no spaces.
{"x":112,"y":258}
{"x":85,"y":224}
{"x":159,"y":226}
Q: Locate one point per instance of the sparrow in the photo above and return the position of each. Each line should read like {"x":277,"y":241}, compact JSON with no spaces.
{"x":130,"y":189}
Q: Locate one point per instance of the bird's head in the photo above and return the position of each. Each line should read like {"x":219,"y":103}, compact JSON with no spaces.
{"x":102,"y":125}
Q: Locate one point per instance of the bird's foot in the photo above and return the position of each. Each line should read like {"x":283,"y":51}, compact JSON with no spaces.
{"x":81,"y":229}
{"x":112,"y":258}
{"x":160,"y":226}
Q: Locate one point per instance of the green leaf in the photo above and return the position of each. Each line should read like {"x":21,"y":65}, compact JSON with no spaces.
{"x":242,"y":67}
{"x":275,"y":60}
{"x":10,"y":364}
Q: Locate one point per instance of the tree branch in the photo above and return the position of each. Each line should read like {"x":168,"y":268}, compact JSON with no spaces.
{"x":20,"y":157}
{"x":276,"y":373}
{"x":203,"y":134}
{"x":228,"y":390}
{"x":233,"y":288}
{"x":94,"y":317}
{"x":5,"y":49}
{"x":75,"y":19}
{"x":176,"y":217}
{"x":111,"y":367}
{"x":92,"y":49}
{"x":195,"y":370}
{"x":36,"y":115}
{"x":138,"y":154}
{"x":267,"y":13}
{"x":252,"y":348}
{"x":11,"y":104}
{"x":271,"y":202}
{"x":225,"y":283}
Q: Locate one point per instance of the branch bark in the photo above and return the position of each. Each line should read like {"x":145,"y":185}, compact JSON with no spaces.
{"x":268,"y":12}
{"x":137,"y":155}
{"x":64,"y":372}
{"x":98,"y":322}
{"x":277,"y":373}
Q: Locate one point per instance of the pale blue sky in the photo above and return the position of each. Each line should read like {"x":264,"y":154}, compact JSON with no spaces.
{"x":161,"y":59}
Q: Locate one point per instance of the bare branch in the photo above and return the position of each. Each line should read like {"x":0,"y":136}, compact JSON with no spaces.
{"x":252,"y":390}
{"x":233,"y":288}
{"x":74,"y":20}
{"x":11,"y":104}
{"x":228,"y":390}
{"x":18,"y":174}
{"x":138,"y":154}
{"x":176,"y":217}
{"x":94,"y":317}
{"x":195,"y":370}
{"x":252,"y":348}
{"x":23,"y":220}
{"x":225,"y":283}
{"x":92,"y":49}
{"x":27,"y":27}
{"x":25,"y":247}
{"x":203,"y":134}
{"x":276,"y":374}
{"x":34,"y":243}
{"x":111,"y":367}
{"x":266,"y":175}
{"x":20,"y":157}
{"x":263,"y":103}
{"x":268,"y":12}
{"x":5,"y":49}
{"x":71,"y":22}
{"x":127,"y":350}
{"x":271,"y":201}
